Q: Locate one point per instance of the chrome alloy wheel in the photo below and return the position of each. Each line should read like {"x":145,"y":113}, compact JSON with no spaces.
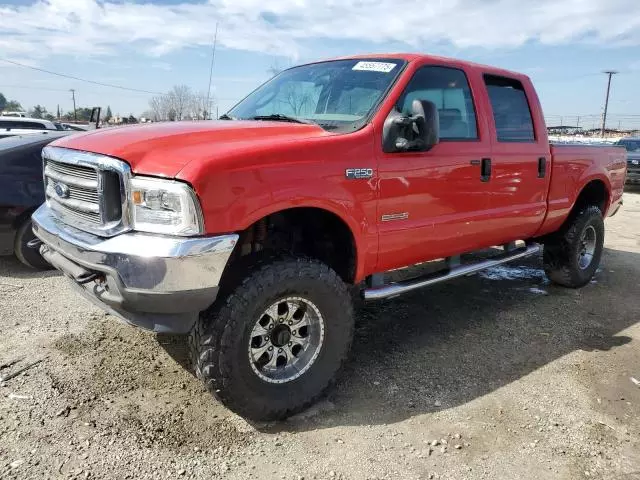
{"x":286,"y":340}
{"x":587,"y":247}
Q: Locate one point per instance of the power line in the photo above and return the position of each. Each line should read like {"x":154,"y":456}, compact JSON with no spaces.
{"x":73,"y":77}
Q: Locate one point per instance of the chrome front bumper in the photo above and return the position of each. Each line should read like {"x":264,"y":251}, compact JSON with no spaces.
{"x":156,"y":282}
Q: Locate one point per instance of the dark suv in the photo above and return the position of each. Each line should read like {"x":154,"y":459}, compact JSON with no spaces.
{"x":21,"y":192}
{"x":632,"y":144}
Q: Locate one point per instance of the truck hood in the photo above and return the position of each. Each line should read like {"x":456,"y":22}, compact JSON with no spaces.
{"x":163,"y":149}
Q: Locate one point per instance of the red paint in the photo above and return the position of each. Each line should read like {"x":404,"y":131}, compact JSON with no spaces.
{"x":245,"y":170}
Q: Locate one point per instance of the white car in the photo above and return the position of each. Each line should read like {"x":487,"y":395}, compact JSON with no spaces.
{"x":10,"y":126}
{"x":13,"y":114}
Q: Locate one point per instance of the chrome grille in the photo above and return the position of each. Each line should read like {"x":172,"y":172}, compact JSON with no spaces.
{"x":86,"y":190}
{"x":82,"y":200}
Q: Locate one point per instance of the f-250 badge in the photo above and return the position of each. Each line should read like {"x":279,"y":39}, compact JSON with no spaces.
{"x":358,"y":173}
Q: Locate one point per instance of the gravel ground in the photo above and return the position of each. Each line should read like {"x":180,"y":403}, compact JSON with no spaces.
{"x":500,"y":375}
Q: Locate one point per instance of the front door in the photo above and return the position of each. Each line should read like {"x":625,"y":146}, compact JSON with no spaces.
{"x":432,"y":204}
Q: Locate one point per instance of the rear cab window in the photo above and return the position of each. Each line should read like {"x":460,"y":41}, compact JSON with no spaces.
{"x":511,"y":112}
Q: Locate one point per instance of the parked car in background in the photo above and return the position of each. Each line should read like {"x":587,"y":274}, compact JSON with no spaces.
{"x":76,"y":127}
{"x":13,"y":114}
{"x":21,"y":192}
{"x":11,"y":126}
{"x":632,"y":144}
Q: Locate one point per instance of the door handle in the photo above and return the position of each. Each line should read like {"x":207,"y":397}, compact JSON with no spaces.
{"x":542,"y":167}
{"x":485,"y":170}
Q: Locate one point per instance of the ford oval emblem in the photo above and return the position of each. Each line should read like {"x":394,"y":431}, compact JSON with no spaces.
{"x":62,"y":190}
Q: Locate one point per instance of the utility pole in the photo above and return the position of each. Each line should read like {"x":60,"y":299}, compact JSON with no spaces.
{"x":213,"y":57}
{"x":73,"y":95}
{"x":610,"y":73}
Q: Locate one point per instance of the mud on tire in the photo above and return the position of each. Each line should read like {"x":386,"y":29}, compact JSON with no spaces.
{"x":572,"y":256}
{"x":221,"y":341}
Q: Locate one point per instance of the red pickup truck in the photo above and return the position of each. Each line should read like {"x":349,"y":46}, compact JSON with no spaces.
{"x":249,"y":233}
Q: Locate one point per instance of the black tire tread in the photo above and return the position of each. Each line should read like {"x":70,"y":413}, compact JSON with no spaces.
{"x":558,"y":249}
{"x":210,"y":339}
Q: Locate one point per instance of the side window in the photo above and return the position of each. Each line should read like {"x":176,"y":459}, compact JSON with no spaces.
{"x":31,"y":126}
{"x":511,"y":112}
{"x":13,"y":125}
{"x":449,"y":90}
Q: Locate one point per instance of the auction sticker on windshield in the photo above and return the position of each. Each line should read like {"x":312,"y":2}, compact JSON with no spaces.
{"x":374,"y":66}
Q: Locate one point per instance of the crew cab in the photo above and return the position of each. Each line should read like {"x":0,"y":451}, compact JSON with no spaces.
{"x":249,"y":233}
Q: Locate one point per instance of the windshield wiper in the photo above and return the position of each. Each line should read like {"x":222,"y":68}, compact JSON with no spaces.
{"x":279,"y":117}
{"x":225,"y":116}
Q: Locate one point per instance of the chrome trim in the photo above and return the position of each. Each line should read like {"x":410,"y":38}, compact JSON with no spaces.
{"x":99,"y":163}
{"x":139,"y":262}
{"x":395,"y":216}
{"x":398,"y":288}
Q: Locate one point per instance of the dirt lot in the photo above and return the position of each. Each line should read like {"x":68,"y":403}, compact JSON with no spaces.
{"x":498,"y":376}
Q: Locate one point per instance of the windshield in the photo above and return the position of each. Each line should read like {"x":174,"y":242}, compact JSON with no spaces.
{"x":630,"y":145}
{"x":337,"y":95}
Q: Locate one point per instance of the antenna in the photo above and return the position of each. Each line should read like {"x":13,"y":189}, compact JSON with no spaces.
{"x":213,"y":57}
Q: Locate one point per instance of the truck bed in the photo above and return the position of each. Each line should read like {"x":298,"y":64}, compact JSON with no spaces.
{"x":572,"y":167}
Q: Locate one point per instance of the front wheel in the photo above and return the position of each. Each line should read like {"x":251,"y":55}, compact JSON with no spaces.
{"x":29,"y":256}
{"x":274,"y":344}
{"x":572,"y":257}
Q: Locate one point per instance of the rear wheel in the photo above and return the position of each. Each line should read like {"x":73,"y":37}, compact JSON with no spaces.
{"x":30,"y":256}
{"x":275,"y":343}
{"x":572,"y":256}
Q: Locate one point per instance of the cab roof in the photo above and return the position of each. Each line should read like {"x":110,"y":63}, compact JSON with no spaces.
{"x":415,"y":57}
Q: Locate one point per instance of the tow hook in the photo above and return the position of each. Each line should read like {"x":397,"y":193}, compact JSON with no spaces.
{"x":35,"y":243}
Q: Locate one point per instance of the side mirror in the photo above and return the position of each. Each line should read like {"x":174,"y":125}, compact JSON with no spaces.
{"x":417,"y":132}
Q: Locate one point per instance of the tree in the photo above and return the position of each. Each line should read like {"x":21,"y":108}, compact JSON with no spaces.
{"x":3,"y":102}
{"x":38,"y":112}
{"x":58,"y":114}
{"x":180,"y":98}
{"x":108,"y":115}
{"x":13,"y":106}
{"x":179,"y":104}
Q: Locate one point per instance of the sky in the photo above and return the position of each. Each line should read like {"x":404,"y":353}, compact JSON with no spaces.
{"x":151,"y":45}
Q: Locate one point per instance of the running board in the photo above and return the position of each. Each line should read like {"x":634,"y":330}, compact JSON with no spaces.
{"x":398,"y":288}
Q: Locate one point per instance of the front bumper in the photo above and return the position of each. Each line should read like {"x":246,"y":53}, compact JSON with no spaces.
{"x":156,"y":282}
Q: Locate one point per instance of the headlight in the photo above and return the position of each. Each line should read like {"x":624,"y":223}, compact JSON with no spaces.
{"x":165,"y":206}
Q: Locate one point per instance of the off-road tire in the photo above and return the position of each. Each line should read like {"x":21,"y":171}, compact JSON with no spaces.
{"x":219,"y":340}
{"x":28,"y":256}
{"x":561,"y":251}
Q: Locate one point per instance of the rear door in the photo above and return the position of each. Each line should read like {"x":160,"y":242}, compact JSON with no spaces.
{"x":520,"y":159}
{"x":432,"y":204}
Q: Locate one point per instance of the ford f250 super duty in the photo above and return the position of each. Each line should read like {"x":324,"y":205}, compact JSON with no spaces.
{"x":251,"y":232}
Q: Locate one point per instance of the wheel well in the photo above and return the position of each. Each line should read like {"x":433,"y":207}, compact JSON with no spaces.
{"x":594,"y":193}
{"x":312,"y":232}
{"x":25,"y":215}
